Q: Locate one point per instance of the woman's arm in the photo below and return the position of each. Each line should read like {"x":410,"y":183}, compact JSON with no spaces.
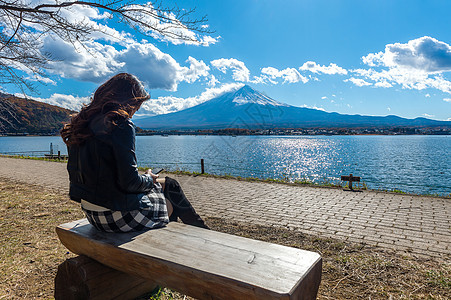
{"x":128,"y":178}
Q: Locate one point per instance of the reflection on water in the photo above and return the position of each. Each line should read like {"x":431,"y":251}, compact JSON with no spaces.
{"x":26,"y":144}
{"x":418,"y":164}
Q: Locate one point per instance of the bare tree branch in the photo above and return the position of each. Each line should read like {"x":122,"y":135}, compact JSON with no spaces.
{"x":22,"y":25}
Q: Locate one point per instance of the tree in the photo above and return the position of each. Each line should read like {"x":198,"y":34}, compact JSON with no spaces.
{"x":24,"y":24}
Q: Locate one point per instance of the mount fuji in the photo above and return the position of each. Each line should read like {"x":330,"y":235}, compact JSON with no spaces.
{"x":250,"y":109}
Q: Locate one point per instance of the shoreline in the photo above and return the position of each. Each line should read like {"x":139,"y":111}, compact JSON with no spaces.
{"x":167,"y":133}
{"x":266,"y":180}
{"x":300,"y":184}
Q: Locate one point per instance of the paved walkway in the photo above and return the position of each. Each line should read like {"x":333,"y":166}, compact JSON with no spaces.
{"x":420,"y":225}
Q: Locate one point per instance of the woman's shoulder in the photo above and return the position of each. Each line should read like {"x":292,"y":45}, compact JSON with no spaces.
{"x":112,"y":131}
{"x":123,"y":128}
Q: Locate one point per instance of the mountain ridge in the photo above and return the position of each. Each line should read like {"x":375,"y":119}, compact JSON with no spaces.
{"x":250,"y":109}
{"x":20,"y":116}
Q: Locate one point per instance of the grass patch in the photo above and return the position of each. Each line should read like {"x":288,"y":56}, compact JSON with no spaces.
{"x":397,"y":191}
{"x":30,"y":253}
{"x":29,"y":248}
{"x":34,"y":158}
{"x":357,"y":271}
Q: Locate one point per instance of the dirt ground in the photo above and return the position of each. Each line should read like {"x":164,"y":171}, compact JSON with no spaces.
{"x":30,"y":253}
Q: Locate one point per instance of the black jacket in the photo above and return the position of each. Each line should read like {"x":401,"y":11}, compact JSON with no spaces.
{"x":103,"y":169}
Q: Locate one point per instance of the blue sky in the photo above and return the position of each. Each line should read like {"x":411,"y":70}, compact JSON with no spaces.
{"x":352,"y":57}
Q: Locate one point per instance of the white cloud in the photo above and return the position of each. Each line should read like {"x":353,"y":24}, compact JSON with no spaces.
{"x":447,"y":100}
{"x":418,"y":64}
{"x":37,"y":77}
{"x":87,"y":16}
{"x":172,"y":26}
{"x":407,"y":80}
{"x":160,"y":105}
{"x":97,"y":62}
{"x":212,"y":81}
{"x":317,"y":69}
{"x":438,"y":82}
{"x":389,"y":108}
{"x":324,"y":97}
{"x":263,"y":79}
{"x":427,"y":96}
{"x":428,"y":116}
{"x":313,"y":107}
{"x":373,"y":59}
{"x":289,"y":75}
{"x":196,"y":69}
{"x":239,"y":71}
{"x":66,"y":101}
{"x":357,"y":81}
{"x":108,"y":51}
{"x":94,"y":62}
{"x":383,"y":84}
{"x":154,"y":67}
{"x":424,"y":54}
{"x":168,"y":104}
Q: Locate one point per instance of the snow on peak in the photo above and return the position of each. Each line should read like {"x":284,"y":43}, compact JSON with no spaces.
{"x":247,"y":95}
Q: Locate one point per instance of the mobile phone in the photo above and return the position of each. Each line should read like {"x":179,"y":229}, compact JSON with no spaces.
{"x":159,"y":171}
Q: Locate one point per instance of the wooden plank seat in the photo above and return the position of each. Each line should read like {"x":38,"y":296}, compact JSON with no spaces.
{"x":201,"y":263}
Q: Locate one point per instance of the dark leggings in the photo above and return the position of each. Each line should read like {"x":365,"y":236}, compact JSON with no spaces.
{"x":181,"y":205}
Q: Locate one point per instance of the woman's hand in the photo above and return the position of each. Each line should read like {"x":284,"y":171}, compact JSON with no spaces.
{"x":154,"y":176}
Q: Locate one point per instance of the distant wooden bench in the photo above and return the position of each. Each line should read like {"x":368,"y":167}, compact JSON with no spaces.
{"x":350,"y":179}
{"x":201,"y":263}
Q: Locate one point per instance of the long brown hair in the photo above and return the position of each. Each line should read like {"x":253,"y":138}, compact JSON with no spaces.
{"x":118,"y":98}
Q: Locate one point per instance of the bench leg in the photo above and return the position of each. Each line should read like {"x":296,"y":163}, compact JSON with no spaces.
{"x":85,"y":278}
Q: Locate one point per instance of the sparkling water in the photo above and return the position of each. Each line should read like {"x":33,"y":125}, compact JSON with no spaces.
{"x":412,"y":163}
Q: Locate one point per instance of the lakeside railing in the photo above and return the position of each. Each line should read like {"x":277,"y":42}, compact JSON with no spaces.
{"x":52,"y":153}
{"x":218,"y":169}
{"x":239,"y":171}
{"x":26,"y":153}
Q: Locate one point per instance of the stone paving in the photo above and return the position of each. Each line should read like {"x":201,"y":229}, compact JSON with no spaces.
{"x":417,"y":224}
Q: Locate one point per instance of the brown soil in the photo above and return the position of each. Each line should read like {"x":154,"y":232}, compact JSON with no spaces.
{"x":30,"y":253}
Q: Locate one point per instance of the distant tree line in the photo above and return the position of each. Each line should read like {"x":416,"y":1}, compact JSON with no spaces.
{"x":18,"y":116}
{"x":440,"y":130}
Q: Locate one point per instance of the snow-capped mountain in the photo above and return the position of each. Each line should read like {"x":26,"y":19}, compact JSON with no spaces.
{"x":246,"y":95}
{"x":248,"y":108}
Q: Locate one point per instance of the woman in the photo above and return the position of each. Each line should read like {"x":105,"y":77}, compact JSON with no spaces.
{"x":102,"y":165}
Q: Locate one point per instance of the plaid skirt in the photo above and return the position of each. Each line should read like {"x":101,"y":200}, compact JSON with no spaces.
{"x":152,"y":213}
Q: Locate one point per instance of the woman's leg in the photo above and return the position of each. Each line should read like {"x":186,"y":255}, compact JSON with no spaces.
{"x":182,"y":208}
{"x":162,"y":181}
{"x":168,"y":203}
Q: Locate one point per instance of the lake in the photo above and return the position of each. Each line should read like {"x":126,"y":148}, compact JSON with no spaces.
{"x":412,"y":163}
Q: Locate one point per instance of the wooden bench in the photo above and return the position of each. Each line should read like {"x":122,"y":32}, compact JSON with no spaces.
{"x":201,"y":263}
{"x":350,"y":180}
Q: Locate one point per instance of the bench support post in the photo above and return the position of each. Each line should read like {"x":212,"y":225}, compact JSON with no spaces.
{"x":84,"y":278}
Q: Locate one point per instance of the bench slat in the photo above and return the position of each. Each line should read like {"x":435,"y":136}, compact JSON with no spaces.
{"x":201,"y":263}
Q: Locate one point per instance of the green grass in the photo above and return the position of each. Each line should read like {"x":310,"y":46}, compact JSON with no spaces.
{"x":33,"y":158}
{"x":438,"y":278}
{"x":396,"y":191}
{"x":30,"y":253}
